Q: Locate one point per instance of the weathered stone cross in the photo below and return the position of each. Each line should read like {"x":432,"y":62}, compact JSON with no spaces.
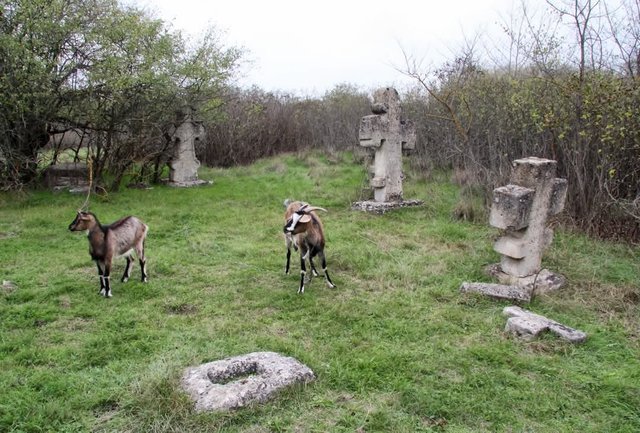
{"x":183,"y":166}
{"x":522,"y":209}
{"x":388,"y":134}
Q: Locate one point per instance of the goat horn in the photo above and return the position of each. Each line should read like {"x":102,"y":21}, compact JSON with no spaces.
{"x":312,"y":208}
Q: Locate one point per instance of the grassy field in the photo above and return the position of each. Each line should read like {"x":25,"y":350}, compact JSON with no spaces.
{"x":395,"y":347}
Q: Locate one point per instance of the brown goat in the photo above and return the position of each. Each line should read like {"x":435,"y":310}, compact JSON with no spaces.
{"x":107,"y":242}
{"x":303,"y":229}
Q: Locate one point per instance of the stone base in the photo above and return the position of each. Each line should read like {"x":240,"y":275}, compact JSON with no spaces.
{"x":236,"y":382}
{"x":382,"y":207}
{"x":527,"y":325}
{"x":541,"y":282}
{"x":498,"y":291}
{"x":75,"y":190}
{"x":189,"y":184}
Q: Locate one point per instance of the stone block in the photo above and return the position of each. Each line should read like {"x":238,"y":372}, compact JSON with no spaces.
{"x":511,"y":246}
{"x":67,"y":175}
{"x":519,"y":268}
{"x":531,"y":172}
{"x":378,"y":182}
{"x":558,"y":195}
{"x":408,"y":135}
{"x":511,"y":207}
{"x":372,"y":130}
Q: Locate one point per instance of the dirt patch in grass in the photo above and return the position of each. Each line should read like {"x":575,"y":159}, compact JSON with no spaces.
{"x":181,"y":309}
{"x":7,"y":235}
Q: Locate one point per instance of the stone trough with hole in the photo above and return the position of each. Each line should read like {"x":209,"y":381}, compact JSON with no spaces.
{"x":239,"y":381}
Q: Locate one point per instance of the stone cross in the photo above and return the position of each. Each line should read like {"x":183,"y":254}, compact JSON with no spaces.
{"x":527,"y":325}
{"x":389,"y":134}
{"x":522,"y":210}
{"x":183,"y":166}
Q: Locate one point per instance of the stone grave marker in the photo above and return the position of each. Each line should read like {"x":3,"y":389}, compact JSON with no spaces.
{"x":72,"y":176}
{"x":522,"y":210}
{"x":183,"y":166}
{"x":527,"y":325}
{"x":388,"y":134}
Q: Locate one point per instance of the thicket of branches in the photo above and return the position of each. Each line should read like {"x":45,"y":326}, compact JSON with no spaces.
{"x":256,"y":124}
{"x":113,"y":73}
{"x":566,"y":87}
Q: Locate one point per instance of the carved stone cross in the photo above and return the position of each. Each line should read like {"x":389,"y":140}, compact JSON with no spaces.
{"x":183,"y":167}
{"x":388,"y":134}
{"x":522,"y":210}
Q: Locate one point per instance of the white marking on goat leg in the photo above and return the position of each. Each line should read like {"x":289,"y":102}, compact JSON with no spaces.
{"x":302,"y":275}
{"x":326,"y":278}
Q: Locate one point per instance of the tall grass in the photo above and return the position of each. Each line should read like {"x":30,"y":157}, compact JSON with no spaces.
{"x":395,"y":347}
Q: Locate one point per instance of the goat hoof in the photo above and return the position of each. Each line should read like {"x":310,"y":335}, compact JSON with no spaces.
{"x":102,"y":292}
{"x":124,"y":280}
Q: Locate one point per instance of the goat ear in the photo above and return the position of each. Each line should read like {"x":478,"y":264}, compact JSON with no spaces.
{"x":304,"y":218}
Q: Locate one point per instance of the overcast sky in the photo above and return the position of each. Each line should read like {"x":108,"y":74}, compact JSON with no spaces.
{"x":311,"y":46}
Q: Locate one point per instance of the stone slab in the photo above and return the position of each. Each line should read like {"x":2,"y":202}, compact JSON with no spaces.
{"x":498,"y":291}
{"x":239,"y":381}
{"x":382,"y":207}
{"x":528,"y":325}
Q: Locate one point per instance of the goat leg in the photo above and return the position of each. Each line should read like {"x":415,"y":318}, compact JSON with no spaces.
{"x":143,"y":270}
{"x":303,"y":271}
{"x":326,"y":273}
{"x":101,"y":277}
{"x":127,"y":270}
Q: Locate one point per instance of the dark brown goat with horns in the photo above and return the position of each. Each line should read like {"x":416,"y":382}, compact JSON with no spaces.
{"x":107,"y":242}
{"x":303,"y":229}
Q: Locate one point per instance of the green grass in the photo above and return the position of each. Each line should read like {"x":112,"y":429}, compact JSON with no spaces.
{"x":396,"y":347}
